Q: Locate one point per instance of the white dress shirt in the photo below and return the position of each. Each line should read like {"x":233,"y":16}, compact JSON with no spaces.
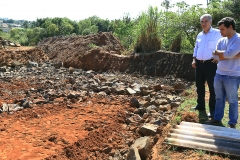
{"x":206,"y":44}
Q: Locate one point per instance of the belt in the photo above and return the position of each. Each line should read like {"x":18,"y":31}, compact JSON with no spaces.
{"x":204,"y":61}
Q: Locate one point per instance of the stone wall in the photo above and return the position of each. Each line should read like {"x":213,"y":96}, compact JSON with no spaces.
{"x":164,"y":63}
{"x":161,"y":63}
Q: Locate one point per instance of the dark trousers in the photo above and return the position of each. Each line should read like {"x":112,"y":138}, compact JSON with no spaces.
{"x":205,"y":72}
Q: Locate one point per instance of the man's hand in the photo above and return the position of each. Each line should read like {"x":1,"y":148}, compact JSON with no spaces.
{"x":214,"y":61}
{"x":194,"y":63}
{"x":221,"y":57}
{"x":237,"y":55}
{"x":219,"y":54}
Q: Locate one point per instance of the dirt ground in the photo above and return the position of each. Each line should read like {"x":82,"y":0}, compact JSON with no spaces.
{"x":93,"y":128}
{"x":58,"y":132}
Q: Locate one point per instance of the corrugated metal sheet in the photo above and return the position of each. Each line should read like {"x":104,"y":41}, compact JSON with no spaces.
{"x":205,"y":137}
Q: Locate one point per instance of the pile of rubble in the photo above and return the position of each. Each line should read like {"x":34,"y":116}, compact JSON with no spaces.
{"x":151,"y":102}
{"x":67,"y":99}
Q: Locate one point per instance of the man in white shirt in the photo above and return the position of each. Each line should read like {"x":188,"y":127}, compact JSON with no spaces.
{"x":204,"y":64}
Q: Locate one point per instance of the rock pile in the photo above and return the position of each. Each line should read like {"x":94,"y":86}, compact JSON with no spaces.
{"x":153,"y":99}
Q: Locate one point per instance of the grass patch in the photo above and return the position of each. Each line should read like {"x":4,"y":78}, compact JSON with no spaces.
{"x":92,"y":46}
{"x":200,"y":152}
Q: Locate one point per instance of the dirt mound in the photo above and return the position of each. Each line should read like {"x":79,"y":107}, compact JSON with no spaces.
{"x":190,"y":117}
{"x":102,"y":52}
{"x":13,"y":57}
{"x":71,"y":50}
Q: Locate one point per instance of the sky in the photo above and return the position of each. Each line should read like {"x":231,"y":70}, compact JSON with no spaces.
{"x":32,"y":10}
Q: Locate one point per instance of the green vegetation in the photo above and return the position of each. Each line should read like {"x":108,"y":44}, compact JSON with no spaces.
{"x":147,"y":32}
{"x":151,"y":31}
{"x":178,"y":119}
{"x":92,"y":46}
{"x":200,"y":152}
{"x":4,"y":35}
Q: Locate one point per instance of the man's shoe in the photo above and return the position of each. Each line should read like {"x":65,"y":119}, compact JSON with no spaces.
{"x":213,"y":122}
{"x":199,"y":109}
{"x":232,"y":126}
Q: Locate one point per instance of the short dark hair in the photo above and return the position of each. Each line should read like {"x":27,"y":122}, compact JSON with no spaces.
{"x":227,"y":21}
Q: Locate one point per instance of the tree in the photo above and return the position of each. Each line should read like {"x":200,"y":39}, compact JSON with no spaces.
{"x":84,"y":25}
{"x":179,"y":29}
{"x":182,"y":6}
{"x":35,"y":35}
{"x":147,"y":32}
{"x":8,"y":21}
{"x":25,"y":24}
{"x":65,"y":27}
{"x":19,"y":36}
{"x":218,"y":10}
{"x":102,"y":25}
{"x":40,"y":22}
{"x":166,"y":4}
{"x":123,"y":29}
{"x":52,"y":30}
{"x":233,"y":6}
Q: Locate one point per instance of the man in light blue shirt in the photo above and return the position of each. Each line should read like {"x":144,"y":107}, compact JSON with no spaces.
{"x":227,"y":78}
{"x":204,"y":64}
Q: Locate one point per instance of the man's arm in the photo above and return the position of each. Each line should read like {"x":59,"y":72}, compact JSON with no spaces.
{"x":220,"y":54}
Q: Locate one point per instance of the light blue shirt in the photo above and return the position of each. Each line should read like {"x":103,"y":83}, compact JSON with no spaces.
{"x":230,"y":66}
{"x":206,"y":44}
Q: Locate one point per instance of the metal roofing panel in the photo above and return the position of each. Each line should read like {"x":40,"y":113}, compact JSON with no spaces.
{"x":205,"y":137}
